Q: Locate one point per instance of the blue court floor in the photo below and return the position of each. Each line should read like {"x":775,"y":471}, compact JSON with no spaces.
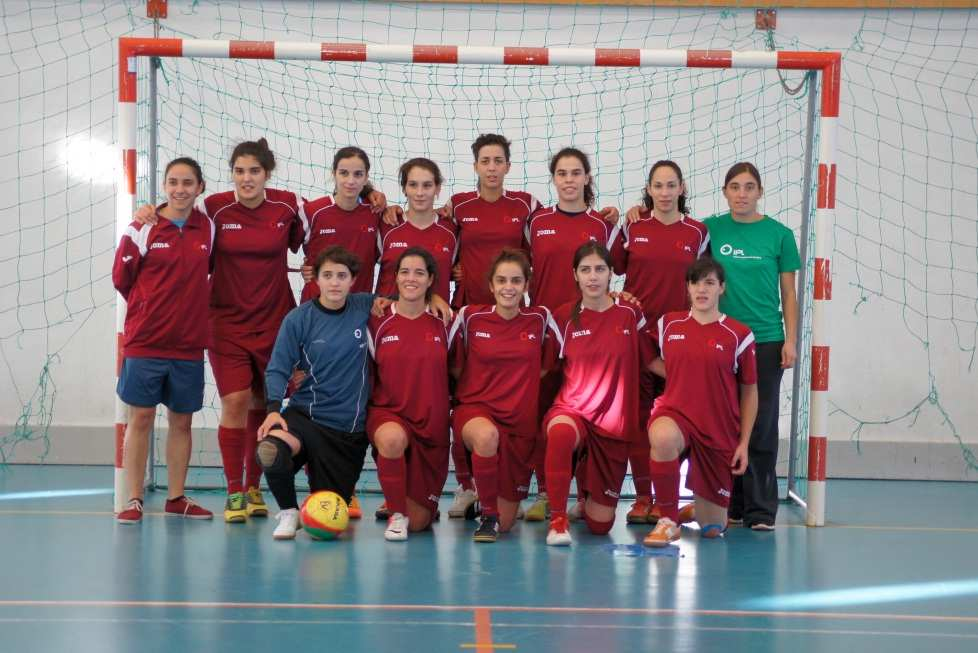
{"x":896,"y":569}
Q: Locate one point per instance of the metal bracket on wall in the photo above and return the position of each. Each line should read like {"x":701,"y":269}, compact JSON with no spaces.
{"x":766,"y":19}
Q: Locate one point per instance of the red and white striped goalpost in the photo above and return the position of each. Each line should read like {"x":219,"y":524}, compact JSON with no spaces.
{"x":828,"y":63}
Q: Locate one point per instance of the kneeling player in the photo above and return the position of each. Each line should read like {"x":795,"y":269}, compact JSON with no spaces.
{"x":597,"y":407}
{"x":498,"y":351}
{"x":708,"y":409}
{"x":408,"y":418}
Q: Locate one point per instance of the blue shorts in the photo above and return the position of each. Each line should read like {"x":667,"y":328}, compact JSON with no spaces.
{"x":177,"y":384}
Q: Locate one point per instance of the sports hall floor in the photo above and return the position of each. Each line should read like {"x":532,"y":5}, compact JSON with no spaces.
{"x":896,"y":569}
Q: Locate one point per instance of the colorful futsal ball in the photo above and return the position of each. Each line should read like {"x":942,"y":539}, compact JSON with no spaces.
{"x":324,"y":515}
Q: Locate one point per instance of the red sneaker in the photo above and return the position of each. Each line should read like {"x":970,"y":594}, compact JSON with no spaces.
{"x":133,"y":513}
{"x":186,"y":507}
{"x":639,"y":513}
{"x":354,"y":510}
{"x":687,"y":514}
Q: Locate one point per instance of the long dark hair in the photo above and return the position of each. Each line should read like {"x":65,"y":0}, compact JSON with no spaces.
{"x":665,"y":163}
{"x":742,"y":167}
{"x":349,"y":152}
{"x":585,"y":250}
{"x":192,"y":164}
{"x":258,"y":149}
{"x":511,"y":255}
{"x":429,"y":263}
{"x":582,"y":157}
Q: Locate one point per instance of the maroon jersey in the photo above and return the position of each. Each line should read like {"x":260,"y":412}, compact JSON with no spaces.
{"x":501,"y":361}
{"x":705,"y":365}
{"x":554,"y":236}
{"x":161,"y":271}
{"x":412,"y":371}
{"x":656,"y":258}
{"x":484,"y":229}
{"x":438,"y":238}
{"x":356,"y":230}
{"x":602,"y":353}
{"x":250,"y":289}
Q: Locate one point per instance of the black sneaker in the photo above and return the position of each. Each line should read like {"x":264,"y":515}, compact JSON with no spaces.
{"x":382,"y":513}
{"x":488,"y":530}
{"x":473,"y":511}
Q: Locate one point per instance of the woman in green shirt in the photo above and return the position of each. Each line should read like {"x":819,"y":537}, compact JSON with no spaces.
{"x":760,"y":257}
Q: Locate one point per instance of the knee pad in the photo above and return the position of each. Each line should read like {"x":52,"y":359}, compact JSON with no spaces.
{"x":274,"y":455}
{"x":598,"y":527}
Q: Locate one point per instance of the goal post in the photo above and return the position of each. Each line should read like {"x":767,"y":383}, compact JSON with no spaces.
{"x":826,"y":65}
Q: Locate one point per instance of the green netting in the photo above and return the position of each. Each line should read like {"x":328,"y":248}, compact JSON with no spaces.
{"x":905,"y":311}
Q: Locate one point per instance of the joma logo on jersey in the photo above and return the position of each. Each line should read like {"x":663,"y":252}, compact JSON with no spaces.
{"x":323,"y":232}
{"x":397,"y":244}
{"x":676,"y":336}
{"x":582,"y":332}
{"x":723,"y":493}
{"x":386,"y":339}
{"x":230,"y":226}
{"x":160,"y":246}
{"x":482,"y":334}
{"x":611,"y":493}
{"x":641,"y":239}
{"x":470,"y":219}
{"x":546,"y":232}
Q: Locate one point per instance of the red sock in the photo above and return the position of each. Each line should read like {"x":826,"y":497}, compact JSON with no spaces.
{"x":665,"y":479}
{"x":252,"y":468}
{"x":462,"y":472}
{"x":560,"y":455}
{"x":638,"y":458}
{"x":486,"y":472}
{"x":540,"y":463}
{"x":392,"y":474}
{"x":231,"y":443}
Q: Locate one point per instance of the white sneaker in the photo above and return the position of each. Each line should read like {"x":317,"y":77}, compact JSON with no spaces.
{"x":558,"y":535}
{"x":397,"y":528}
{"x":461,"y":503}
{"x":576,"y":513}
{"x":288,"y":524}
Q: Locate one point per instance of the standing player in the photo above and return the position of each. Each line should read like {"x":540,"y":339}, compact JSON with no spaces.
{"x":660,"y":244}
{"x":760,"y":258}
{"x":594,"y":414}
{"x":161,"y":271}
{"x":421,"y":182}
{"x":408,"y":418}
{"x":554,"y":235}
{"x":498,"y":351}
{"x":708,"y":408}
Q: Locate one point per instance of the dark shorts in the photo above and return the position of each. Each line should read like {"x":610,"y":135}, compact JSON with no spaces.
{"x":426,"y":459}
{"x":177,"y":384}
{"x":709,"y":474}
{"x":335,"y":458}
{"x":650,"y":386}
{"x":601,"y":461}
{"x":515,"y":452}
{"x":239,"y":361}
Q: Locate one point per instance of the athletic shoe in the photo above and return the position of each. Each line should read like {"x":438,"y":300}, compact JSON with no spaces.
{"x":655,"y":514}
{"x":687,"y":514}
{"x":762,"y":526}
{"x":255,"y":503}
{"x":463,"y":501}
{"x":236,"y":508}
{"x":735,"y":521}
{"x":288,"y":524}
{"x":186,"y":507}
{"x":474,"y":511}
{"x":397,"y":528}
{"x":576,"y":513}
{"x":558,"y":535}
{"x":354,"y":510}
{"x":382,"y":513}
{"x":133,"y":514}
{"x":488,"y":529}
{"x":639,"y":512}
{"x":665,"y":532}
{"x":539,"y":510}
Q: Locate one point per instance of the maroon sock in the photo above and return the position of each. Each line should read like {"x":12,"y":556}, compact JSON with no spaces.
{"x":252,"y":468}
{"x":665,"y":479}
{"x":231,"y":443}
{"x":638,"y":458}
{"x":462,"y":472}
{"x":486,"y":472}
{"x":392,"y":474}
{"x":560,"y":455}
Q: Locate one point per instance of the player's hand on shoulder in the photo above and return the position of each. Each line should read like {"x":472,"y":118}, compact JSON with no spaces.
{"x":378,"y":201}
{"x":146,"y":214}
{"x":610,"y":214}
{"x":272,"y":421}
{"x":626,"y":297}
{"x":392,"y":215}
{"x":307,"y":274}
{"x":380,"y":305}
{"x":633,"y":214}
{"x":440,"y":309}
{"x":457,"y":273}
{"x":445,"y":212}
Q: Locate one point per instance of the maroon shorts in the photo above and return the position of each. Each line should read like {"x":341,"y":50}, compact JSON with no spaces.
{"x":238,"y":361}
{"x":515,"y":452}
{"x":709,"y":474}
{"x":601,"y":461}
{"x":426,"y":459}
{"x":650,"y":386}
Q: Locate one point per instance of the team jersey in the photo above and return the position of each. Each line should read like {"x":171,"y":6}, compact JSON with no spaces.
{"x":705,"y":365}
{"x":161,"y":271}
{"x":412,"y":371}
{"x":250,"y":289}
{"x":554,"y":236}
{"x":438,"y":238}
{"x":656,"y":258}
{"x":355,"y":230}
{"x":484,"y":229}
{"x":501,"y":362}
{"x":602,"y":354}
